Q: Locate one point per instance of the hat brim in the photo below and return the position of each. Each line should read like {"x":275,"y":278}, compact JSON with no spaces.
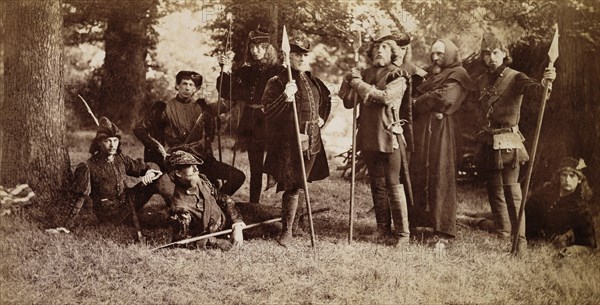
{"x":294,"y":48}
{"x":384,"y":38}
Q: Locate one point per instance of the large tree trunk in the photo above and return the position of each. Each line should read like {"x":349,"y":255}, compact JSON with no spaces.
{"x":123,"y":88}
{"x":578,"y":92}
{"x":32,"y":113}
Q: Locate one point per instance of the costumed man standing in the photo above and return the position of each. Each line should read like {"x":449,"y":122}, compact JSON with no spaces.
{"x":185,"y":124}
{"x":283,"y":161}
{"x":503,"y":152}
{"x":101,"y":179}
{"x":433,"y":164}
{"x":380,"y":91}
{"x":248,"y":85}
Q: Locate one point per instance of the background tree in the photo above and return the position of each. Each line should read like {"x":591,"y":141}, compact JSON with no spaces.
{"x":32,"y":111}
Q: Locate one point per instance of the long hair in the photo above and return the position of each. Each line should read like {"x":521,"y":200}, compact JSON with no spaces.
{"x":270,"y":58}
{"x":583,"y":187}
{"x":395,"y":51}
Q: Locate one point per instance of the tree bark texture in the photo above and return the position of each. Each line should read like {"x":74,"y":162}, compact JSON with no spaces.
{"x":33,"y":113}
{"x":123,"y":88}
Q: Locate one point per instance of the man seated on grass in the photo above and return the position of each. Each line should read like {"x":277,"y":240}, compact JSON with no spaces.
{"x":101,"y":179}
{"x":199,"y":208}
{"x":559,"y":212}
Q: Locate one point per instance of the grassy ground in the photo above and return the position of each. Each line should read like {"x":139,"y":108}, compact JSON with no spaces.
{"x":99,"y":264}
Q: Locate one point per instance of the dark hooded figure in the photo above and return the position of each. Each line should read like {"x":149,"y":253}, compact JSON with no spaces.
{"x":433,"y":165}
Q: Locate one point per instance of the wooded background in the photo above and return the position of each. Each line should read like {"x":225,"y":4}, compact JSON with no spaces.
{"x":123,"y":55}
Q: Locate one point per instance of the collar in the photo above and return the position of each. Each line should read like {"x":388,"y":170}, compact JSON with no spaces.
{"x":182,"y":100}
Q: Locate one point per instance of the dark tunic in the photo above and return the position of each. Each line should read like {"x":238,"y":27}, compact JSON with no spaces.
{"x":313,"y":101}
{"x":210,"y":211}
{"x":433,"y":163}
{"x":104,"y":183}
{"x":501,"y":111}
{"x":170,"y":124}
{"x":549,"y":216}
{"x":248,"y":85}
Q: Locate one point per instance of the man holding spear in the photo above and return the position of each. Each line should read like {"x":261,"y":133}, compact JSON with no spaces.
{"x":503,"y":152}
{"x":296,"y":105}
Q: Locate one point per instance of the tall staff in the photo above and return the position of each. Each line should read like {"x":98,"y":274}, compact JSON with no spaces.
{"x":552,"y":55}
{"x":356,"y":44}
{"x":285,"y":47}
{"x":229,"y":18}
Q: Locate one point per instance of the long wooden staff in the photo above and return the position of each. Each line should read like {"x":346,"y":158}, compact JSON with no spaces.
{"x":285,"y":47}
{"x":552,"y":55}
{"x":227,"y":46}
{"x":356,"y":46}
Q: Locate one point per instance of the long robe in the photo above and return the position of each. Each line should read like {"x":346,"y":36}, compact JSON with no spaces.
{"x":433,"y":165}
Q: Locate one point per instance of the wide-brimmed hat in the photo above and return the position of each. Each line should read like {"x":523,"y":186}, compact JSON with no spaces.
{"x":402,"y":39}
{"x":181,"y":158}
{"x":384,"y":34}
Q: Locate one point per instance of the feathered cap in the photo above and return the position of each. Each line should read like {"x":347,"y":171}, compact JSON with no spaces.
{"x":572,"y":165}
{"x":106,"y":129}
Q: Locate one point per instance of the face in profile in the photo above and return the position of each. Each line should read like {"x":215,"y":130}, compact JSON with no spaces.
{"x":186,"y":175}
{"x":109,"y":146}
{"x":438,"y":53}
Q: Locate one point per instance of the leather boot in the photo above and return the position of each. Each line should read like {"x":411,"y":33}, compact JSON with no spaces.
{"x":513,"y":195}
{"x":289,"y":204}
{"x":399,"y":209}
{"x":299,"y":219}
{"x":499,"y":210}
{"x":382,"y":210}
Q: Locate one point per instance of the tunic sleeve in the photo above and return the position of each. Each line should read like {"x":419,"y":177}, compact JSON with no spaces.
{"x":81,"y":180}
{"x":274,"y":99}
{"x":152,"y":123}
{"x":134,"y":167}
{"x":441,"y":99}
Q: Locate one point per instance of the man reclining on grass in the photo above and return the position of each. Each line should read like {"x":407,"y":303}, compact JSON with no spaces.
{"x":101,"y":179}
{"x":198,"y":208}
{"x":557,"y":213}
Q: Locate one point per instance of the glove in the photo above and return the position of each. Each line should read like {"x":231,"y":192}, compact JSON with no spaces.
{"x":290,"y":90}
{"x":354,"y":73}
{"x":237,"y":236}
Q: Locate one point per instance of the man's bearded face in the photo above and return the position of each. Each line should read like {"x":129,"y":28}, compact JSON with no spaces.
{"x":438,"y":53}
{"x":299,"y":61}
{"x":382,"y":53}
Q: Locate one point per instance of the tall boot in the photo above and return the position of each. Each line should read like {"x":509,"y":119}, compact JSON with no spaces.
{"x":399,"y":209}
{"x":299,"y":218}
{"x":514,"y":197}
{"x":289,"y":204}
{"x":497,"y":200}
{"x":382,"y":210}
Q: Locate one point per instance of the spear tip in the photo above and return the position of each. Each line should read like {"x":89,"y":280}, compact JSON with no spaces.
{"x":553,"y":52}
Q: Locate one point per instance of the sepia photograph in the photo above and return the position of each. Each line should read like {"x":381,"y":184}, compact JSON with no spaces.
{"x":299,"y":152}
